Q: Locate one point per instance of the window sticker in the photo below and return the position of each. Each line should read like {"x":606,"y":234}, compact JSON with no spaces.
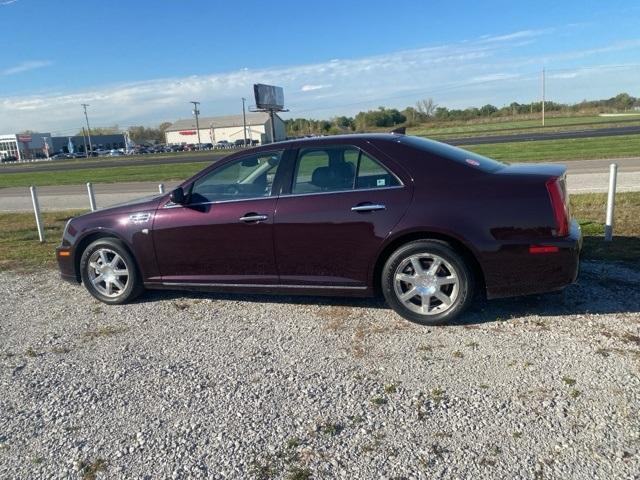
{"x":381,"y":182}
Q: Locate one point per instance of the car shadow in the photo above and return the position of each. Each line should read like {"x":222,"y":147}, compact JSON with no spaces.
{"x":601,"y":288}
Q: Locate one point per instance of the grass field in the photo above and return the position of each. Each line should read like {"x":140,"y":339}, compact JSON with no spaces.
{"x":137,"y":173}
{"x":561,"y":150}
{"x":20,"y":249}
{"x":504,"y":127}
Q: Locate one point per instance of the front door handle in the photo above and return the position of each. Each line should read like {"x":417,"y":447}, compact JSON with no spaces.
{"x":253,"y":217}
{"x":368,"y":207}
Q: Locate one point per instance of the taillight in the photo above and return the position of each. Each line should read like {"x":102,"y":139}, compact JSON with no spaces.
{"x":559,"y":206}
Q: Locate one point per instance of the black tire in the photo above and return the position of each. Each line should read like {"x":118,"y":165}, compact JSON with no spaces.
{"x":133,"y":285}
{"x":464,"y":289}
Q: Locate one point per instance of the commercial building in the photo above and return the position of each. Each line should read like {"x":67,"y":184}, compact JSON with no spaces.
{"x":25,"y":146}
{"x":98,"y":142}
{"x":228,"y":128}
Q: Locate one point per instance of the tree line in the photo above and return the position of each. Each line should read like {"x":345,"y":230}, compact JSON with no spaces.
{"x":427,"y":110}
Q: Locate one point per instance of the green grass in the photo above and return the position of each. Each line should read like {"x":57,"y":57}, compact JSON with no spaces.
{"x":141,"y":173}
{"x":21,"y":251}
{"x":19,"y":245}
{"x":493,"y":126}
{"x":561,"y":150}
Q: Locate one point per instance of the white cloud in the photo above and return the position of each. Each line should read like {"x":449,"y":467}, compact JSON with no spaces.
{"x":25,"y":67}
{"x":7,"y":2}
{"x":311,"y":88}
{"x":457,"y":75}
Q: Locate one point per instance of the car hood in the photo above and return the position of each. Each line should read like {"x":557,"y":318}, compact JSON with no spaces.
{"x":138,"y":204}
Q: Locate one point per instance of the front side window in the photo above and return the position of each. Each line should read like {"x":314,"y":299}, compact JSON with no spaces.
{"x":332,"y":169}
{"x":248,"y":177}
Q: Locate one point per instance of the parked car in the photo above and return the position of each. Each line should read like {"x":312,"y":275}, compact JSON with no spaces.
{"x":427,"y":224}
{"x":9,"y":158}
{"x":115,"y":153}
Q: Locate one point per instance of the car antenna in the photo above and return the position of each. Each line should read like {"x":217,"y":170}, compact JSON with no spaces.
{"x":399,"y":131}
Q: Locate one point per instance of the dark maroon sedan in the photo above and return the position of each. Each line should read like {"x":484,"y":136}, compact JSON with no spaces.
{"x":426,"y":224}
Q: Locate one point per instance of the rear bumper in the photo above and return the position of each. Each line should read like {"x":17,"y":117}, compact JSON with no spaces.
{"x":515,"y":271}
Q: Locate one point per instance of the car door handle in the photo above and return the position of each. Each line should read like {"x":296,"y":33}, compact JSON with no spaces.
{"x":253,"y":217}
{"x":368,"y":207}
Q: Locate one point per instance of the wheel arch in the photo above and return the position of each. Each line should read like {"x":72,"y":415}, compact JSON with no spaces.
{"x":402,"y":239}
{"x":91,"y":237}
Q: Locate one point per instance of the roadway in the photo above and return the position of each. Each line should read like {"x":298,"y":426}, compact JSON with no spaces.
{"x":189,"y":157}
{"x":583,"y":176}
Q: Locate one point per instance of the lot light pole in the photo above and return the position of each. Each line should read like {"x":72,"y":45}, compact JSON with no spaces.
{"x":543,"y":94}
{"x":244,"y":122}
{"x":196,"y":112}
{"x":85,"y":105}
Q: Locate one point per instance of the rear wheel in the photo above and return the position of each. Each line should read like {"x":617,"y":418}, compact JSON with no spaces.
{"x":427,"y":282}
{"x":109,"y":272}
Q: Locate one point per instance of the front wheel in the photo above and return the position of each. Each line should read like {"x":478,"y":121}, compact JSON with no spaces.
{"x":109,"y":272}
{"x":427,"y":282}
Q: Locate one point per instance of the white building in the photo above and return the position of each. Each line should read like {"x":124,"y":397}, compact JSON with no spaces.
{"x":24,"y":146}
{"x":229,"y":128}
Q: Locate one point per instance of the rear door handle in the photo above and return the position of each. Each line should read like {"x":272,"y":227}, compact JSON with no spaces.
{"x":369,"y":207}
{"x":253,"y":217}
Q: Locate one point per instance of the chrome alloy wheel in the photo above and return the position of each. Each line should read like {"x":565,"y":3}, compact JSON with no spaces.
{"x":108,"y":272}
{"x":426,"y":284}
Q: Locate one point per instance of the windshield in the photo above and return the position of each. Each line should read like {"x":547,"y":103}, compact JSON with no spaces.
{"x":456,"y":154}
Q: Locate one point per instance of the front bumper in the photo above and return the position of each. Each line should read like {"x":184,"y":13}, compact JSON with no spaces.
{"x":66,"y":264}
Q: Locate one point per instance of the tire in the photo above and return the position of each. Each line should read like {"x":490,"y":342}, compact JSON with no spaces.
{"x":449,"y":291}
{"x":102,"y":267}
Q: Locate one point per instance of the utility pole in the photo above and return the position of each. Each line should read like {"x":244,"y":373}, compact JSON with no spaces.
{"x":85,"y":105}
{"x":543,"y":94}
{"x":84,"y":138}
{"x":244,"y":122}
{"x":196,"y":112}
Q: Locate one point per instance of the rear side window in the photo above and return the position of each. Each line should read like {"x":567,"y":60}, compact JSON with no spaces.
{"x":327,"y":169}
{"x":332,"y":169}
{"x":470,"y":159}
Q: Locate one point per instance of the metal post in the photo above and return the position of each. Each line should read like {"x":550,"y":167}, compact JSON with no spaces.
{"x":92,"y":197}
{"x":273,"y":126}
{"x":85,"y":105}
{"x":244,"y":122}
{"x":36,"y":211}
{"x":543,"y":94}
{"x":161,"y":188}
{"x":196,"y":112}
{"x":611,"y":202}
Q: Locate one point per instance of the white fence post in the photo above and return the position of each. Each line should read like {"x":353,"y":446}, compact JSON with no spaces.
{"x":611,"y":202}
{"x":36,"y":211}
{"x":92,"y":197}
{"x":161,"y":188}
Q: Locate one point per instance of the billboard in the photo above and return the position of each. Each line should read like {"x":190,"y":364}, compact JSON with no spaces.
{"x":268,"y":97}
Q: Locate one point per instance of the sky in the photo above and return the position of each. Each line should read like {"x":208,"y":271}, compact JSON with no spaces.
{"x":141,"y":62}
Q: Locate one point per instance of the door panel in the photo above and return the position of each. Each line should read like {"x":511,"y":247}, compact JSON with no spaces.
{"x":209,"y":243}
{"x":320,"y":240}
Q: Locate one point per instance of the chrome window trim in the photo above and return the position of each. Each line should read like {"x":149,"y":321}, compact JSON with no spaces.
{"x":288,"y":195}
{"x":259,"y":285}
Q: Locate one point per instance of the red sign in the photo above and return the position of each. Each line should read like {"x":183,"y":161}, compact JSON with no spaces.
{"x":187,"y":132}
{"x":24,"y":138}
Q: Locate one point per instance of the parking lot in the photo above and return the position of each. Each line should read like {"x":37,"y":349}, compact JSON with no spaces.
{"x":187,"y":385}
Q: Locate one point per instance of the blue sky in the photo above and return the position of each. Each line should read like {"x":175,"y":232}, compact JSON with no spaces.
{"x":140,"y":62}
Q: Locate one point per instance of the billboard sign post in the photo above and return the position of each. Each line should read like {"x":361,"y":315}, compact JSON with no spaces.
{"x":269,"y":98}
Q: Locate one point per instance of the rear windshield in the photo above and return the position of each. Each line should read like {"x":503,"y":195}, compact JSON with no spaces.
{"x":472,"y":160}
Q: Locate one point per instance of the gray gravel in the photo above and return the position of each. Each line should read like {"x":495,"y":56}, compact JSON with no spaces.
{"x":184,"y":385}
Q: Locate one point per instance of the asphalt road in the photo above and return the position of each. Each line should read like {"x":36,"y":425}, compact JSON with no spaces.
{"x":584,"y":176}
{"x":188,"y":157}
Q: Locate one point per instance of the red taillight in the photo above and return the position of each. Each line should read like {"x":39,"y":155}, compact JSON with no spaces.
{"x":543,"y":249}
{"x":560,"y":210}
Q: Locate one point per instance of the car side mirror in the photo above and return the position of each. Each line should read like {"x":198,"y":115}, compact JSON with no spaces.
{"x":177,"y":196}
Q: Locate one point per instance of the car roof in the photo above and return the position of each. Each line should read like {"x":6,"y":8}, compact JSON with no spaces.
{"x":311,"y":141}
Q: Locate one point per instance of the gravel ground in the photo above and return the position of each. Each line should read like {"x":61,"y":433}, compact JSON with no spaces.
{"x":219,"y":386}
